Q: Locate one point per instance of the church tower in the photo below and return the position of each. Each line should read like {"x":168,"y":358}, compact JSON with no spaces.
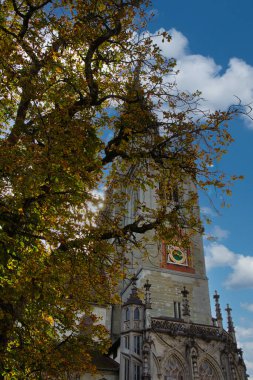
{"x":170,"y":268}
{"x":179,"y":339}
{"x":164,"y":329}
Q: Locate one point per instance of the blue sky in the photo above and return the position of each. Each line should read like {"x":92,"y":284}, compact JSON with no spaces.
{"x":212,"y":42}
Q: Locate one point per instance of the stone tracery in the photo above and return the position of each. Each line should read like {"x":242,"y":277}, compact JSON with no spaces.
{"x":174,"y":369}
{"x":207,"y":372}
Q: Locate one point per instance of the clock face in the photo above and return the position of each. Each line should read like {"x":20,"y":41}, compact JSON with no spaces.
{"x":177,"y":255}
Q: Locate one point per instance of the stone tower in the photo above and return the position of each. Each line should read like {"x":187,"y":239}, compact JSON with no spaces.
{"x":168,"y":266}
{"x":164,"y":329}
{"x":169,"y":333}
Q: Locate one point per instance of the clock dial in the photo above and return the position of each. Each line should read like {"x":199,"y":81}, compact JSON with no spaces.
{"x":177,"y":255}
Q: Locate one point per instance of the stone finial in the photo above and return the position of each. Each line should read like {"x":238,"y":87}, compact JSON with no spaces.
{"x":218,"y":309}
{"x":133,"y":298}
{"x":185,"y":292}
{"x":147,"y":287}
{"x":194,"y":359}
{"x":230,"y":321}
{"x":240,"y":353}
{"x":185,"y":303}
{"x":146,"y":360}
{"x":231,"y":329}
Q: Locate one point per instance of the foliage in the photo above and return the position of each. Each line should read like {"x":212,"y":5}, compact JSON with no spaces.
{"x":84,"y":105}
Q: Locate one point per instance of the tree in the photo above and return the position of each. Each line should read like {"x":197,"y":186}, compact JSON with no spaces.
{"x":74,"y":119}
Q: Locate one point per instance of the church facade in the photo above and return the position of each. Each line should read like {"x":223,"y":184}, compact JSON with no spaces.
{"x":174,"y":347}
{"x":164,"y":329}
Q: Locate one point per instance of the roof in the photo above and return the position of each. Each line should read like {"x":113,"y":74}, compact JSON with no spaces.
{"x":133,"y":298}
{"x":103,"y":362}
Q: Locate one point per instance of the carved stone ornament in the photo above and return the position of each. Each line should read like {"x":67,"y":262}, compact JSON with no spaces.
{"x":180,"y":328}
{"x":174,"y":369}
{"x":207,"y":372}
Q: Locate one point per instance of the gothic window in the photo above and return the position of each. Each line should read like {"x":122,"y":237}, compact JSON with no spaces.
{"x":207,"y":372}
{"x":136,"y":314}
{"x":174,"y":370}
{"x":177,"y":310}
{"x":137,"y":344}
{"x":126,"y":369}
{"x":127,"y":314}
{"x":126,"y":339}
{"x":137,"y":372}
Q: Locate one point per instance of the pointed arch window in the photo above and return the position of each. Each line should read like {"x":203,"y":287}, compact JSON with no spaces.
{"x":126,"y":340}
{"x":127,"y":314}
{"x":136,"y":314}
{"x":137,"y":344}
{"x":177,"y":310}
{"x":207,"y":371}
{"x":174,"y":370}
{"x":137,"y":371}
{"x":126,"y":369}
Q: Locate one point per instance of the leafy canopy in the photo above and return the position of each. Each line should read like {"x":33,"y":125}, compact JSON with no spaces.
{"x":84,"y":105}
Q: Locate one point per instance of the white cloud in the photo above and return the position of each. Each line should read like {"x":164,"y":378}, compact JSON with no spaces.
{"x":176,"y":48}
{"x":207,"y":211}
{"x":247,"y":306}
{"x":244,"y":338}
{"x":219,"y":89}
{"x":219,"y":85}
{"x":218,"y":255}
{"x":249,"y":366}
{"x":217,"y":234}
{"x":99,"y":194}
{"x":242,"y":273}
{"x":243,"y":333}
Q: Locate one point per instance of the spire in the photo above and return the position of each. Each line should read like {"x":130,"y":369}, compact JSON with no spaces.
{"x":230,"y":321}
{"x":142,"y":106}
{"x":147,"y":287}
{"x":218,"y":309}
{"x":231,"y":329}
{"x":134,"y":87}
{"x":136,"y":81}
{"x":185,"y":304}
